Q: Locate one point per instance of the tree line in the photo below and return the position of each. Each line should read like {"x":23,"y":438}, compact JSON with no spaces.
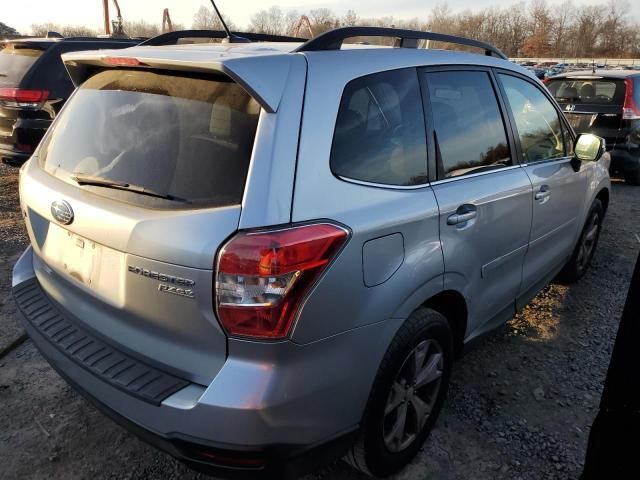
{"x":533,"y":28}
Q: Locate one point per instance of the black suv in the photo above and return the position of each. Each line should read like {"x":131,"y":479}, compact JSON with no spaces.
{"x":605,"y":103}
{"x":34,"y":85}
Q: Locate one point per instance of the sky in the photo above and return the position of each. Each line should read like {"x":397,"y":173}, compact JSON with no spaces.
{"x":21,"y":14}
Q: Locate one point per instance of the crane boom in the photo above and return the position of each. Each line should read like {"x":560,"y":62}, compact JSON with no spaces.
{"x":167,"y":26}
{"x":307,"y":23}
{"x":117,"y":24}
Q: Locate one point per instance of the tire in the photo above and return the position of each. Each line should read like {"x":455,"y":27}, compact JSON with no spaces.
{"x":632,"y":178}
{"x":586,"y":247}
{"x":382,"y":449}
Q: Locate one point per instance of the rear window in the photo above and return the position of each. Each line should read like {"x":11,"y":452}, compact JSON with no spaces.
{"x":186,"y":137}
{"x":15,"y":62}
{"x":589,"y":91}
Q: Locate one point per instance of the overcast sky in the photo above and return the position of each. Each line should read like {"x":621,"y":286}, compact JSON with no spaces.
{"x":21,"y":14}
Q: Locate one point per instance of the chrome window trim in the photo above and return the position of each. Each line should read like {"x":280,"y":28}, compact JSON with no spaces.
{"x":474,"y":175}
{"x":383,"y":185}
{"x":549,"y":160}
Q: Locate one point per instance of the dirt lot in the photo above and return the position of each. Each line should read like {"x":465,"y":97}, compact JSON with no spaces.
{"x":520,"y":405}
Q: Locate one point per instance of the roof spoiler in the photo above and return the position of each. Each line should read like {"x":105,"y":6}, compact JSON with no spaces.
{"x":262,"y":77}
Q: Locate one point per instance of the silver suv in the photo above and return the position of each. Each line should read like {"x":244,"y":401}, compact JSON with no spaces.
{"x":260,"y":257}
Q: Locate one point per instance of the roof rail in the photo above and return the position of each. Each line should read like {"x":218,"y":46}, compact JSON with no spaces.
{"x":171,"y":38}
{"x":332,"y":40}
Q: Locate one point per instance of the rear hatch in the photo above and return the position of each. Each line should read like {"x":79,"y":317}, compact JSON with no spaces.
{"x":17,"y":60}
{"x":128,"y":199}
{"x":592,"y":104}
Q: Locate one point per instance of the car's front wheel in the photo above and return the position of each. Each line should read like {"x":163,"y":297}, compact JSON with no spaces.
{"x":407,"y":395}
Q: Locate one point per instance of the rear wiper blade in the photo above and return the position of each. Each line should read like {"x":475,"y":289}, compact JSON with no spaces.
{"x":82,"y":179}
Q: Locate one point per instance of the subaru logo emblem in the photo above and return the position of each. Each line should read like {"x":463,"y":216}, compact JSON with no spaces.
{"x":570,"y":108}
{"x":62,"y":212}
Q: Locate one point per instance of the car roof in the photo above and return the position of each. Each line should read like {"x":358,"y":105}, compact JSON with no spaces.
{"x":598,"y":74}
{"x":262,"y":67}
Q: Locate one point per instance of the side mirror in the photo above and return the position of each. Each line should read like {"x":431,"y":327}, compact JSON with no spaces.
{"x":588,"y":147}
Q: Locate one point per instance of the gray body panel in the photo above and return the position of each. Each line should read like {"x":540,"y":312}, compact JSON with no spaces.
{"x":483,"y":257}
{"x":401,"y":253}
{"x":556,"y":217}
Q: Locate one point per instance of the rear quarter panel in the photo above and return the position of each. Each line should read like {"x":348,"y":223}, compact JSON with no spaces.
{"x":341,"y":301}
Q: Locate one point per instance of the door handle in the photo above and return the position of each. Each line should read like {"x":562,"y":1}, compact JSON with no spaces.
{"x":543,"y":193}
{"x":463,"y":214}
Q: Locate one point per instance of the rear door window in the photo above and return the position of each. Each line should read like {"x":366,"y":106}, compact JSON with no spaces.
{"x":185,"y":137}
{"x":380,"y":133}
{"x":15,"y":62}
{"x":537,"y":121}
{"x":587,"y":91}
{"x":469,"y":128}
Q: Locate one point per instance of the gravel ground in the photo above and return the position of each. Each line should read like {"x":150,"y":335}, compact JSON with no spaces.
{"x":520,"y":405}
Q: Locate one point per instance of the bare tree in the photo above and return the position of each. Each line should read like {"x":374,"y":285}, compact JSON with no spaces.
{"x":350,"y":19}
{"x":586,"y":30}
{"x":41,"y":29}
{"x":271,"y":21}
{"x":206,"y":19}
{"x":141,"y":28}
{"x":563,"y":16}
{"x":323,"y":19}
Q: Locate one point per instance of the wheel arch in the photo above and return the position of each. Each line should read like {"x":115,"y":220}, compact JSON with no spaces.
{"x":453,"y":306}
{"x":604,"y":196}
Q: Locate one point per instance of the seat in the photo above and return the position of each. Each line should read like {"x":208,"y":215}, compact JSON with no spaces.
{"x":570,"y":92}
{"x":587,"y":91}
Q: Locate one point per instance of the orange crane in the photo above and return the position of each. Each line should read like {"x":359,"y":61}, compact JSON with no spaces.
{"x":116,"y":25}
{"x":303,"y":20}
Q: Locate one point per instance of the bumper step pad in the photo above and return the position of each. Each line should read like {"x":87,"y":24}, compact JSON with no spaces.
{"x":118,"y":369}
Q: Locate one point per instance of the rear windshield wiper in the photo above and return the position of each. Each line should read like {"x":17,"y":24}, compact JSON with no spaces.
{"x":82,"y":179}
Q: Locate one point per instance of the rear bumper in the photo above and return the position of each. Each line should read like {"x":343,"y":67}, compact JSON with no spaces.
{"x":13,"y":157}
{"x":24,"y":137}
{"x":272,"y":410}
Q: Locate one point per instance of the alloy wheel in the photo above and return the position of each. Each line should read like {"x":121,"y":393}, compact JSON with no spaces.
{"x":413,"y":395}
{"x":588,"y":242}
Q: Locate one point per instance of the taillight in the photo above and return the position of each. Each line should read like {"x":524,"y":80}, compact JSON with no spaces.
{"x":630,"y":109}
{"x":264,"y":276}
{"x":21,"y":98}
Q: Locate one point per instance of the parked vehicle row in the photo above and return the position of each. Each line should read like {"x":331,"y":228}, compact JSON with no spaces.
{"x":263,"y":257}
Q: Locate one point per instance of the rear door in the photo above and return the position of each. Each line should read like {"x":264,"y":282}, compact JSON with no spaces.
{"x":559,"y":184}
{"x":483,"y":194}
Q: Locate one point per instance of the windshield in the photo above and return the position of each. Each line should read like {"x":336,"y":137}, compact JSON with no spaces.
{"x":590,"y":91}
{"x":15,"y":61}
{"x":182,"y":137}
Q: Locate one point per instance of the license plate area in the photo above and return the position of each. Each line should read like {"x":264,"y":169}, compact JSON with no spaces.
{"x":89,"y":263}
{"x":581,"y":121}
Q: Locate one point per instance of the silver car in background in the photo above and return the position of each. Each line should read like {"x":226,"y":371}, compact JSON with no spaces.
{"x":261,"y":257}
